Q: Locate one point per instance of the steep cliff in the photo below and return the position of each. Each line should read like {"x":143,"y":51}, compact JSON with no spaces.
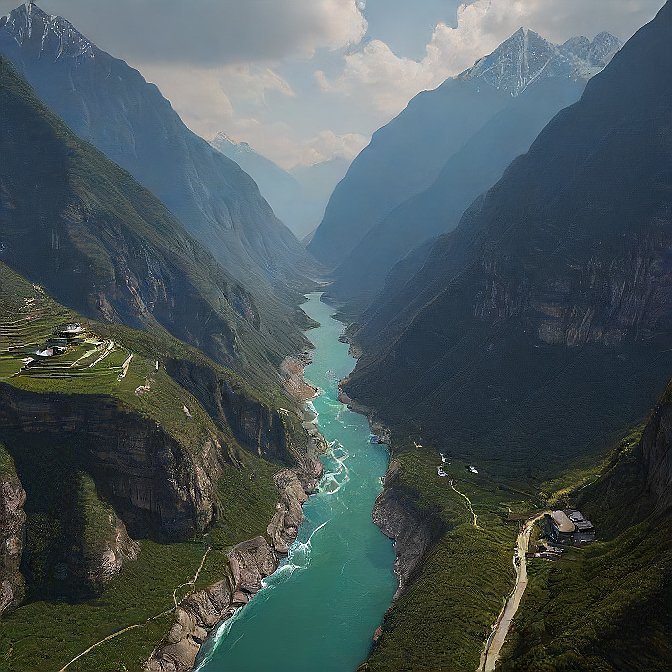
{"x":255,"y":426}
{"x":12,"y":532}
{"x":400,"y":517}
{"x":247,"y":565}
{"x":160,"y":487}
{"x":553,"y":294}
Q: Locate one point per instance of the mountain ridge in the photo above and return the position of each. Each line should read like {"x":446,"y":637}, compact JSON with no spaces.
{"x":108,"y":103}
{"x":407,"y":155}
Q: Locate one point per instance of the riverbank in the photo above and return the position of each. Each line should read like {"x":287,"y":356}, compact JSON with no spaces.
{"x":337,"y":581}
{"x":201,"y":613}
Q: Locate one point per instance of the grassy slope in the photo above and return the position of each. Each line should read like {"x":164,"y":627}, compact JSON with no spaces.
{"x":74,"y":175}
{"x":45,"y":635}
{"x":443,"y":617}
{"x":606,"y":607}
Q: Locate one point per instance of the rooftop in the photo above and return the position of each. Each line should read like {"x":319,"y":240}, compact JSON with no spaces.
{"x":563,"y":523}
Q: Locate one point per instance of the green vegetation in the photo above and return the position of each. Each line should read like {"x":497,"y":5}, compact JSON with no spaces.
{"x":67,"y":519}
{"x":45,"y":635}
{"x":604,"y":608}
{"x":445,"y":614}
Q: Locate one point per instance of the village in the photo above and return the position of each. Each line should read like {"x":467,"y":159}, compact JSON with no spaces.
{"x":33,"y":344}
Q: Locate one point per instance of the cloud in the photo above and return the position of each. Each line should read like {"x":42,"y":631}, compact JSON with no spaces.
{"x":211,"y":32}
{"x":389,"y":80}
{"x":284,"y":144}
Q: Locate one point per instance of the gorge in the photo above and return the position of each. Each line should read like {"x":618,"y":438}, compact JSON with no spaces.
{"x":337,"y":581}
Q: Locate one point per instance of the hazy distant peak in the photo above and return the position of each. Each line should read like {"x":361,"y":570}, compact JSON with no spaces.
{"x":224,"y":144}
{"x":50,"y":35}
{"x":526,"y":57}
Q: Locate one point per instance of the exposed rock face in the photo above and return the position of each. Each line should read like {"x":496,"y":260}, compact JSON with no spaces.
{"x":118,"y":549}
{"x":157,"y":486}
{"x":284,"y":526}
{"x":655,"y":453}
{"x":12,"y":523}
{"x":413,"y":530}
{"x":257,"y":428}
{"x":249,"y":563}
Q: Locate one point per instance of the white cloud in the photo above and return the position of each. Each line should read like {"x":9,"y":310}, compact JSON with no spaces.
{"x":285,"y":145}
{"x":389,"y":81}
{"x":211,"y":32}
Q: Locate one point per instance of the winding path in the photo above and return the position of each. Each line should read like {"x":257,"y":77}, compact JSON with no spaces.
{"x":494,"y":643}
{"x":469,"y":506}
{"x":114,"y":635}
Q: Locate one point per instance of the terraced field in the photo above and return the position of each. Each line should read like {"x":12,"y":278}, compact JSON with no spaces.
{"x":27,"y":323}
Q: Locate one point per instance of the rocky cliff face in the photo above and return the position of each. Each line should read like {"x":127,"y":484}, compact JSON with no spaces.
{"x":157,"y":486}
{"x":248,"y":564}
{"x":655,"y":455}
{"x":12,"y":531}
{"x":553,"y":294}
{"x":413,"y":530}
{"x":256,"y":427}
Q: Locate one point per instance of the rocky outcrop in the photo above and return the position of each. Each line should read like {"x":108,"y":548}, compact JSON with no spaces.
{"x":156,"y":485}
{"x":655,"y":454}
{"x":12,"y":530}
{"x":256,"y":427}
{"x":118,"y":548}
{"x":414,"y":530}
{"x":248,"y":564}
{"x":284,"y":525}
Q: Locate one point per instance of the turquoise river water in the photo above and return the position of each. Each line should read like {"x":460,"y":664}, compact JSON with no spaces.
{"x":319,"y":611}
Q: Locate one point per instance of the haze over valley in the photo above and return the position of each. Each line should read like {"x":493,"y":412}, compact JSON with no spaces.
{"x":336,"y":334}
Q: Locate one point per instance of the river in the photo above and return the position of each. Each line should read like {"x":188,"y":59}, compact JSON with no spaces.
{"x":319,"y":611}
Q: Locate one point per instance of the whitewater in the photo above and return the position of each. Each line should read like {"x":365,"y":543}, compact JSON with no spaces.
{"x":321,"y":608}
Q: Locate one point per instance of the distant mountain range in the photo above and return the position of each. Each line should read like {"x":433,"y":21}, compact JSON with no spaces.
{"x":425,"y":167}
{"x":77,"y":224}
{"x":548,"y":311}
{"x":109,"y":104}
{"x":299,"y":196}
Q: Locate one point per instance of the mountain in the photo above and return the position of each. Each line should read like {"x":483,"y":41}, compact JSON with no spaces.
{"x":548,"y":311}
{"x":277,"y":186}
{"x":509,"y":95}
{"x":535,"y":99}
{"x":77,"y":224}
{"x":319,"y":181}
{"x":299,"y":196}
{"x":109,"y":104}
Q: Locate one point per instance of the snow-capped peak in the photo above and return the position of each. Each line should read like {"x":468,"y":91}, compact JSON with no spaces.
{"x":222,"y":139}
{"x":48,"y":35}
{"x":526,"y":58}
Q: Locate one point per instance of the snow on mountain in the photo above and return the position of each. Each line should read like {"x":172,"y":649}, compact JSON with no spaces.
{"x":526,"y":57}
{"x":58,"y":37}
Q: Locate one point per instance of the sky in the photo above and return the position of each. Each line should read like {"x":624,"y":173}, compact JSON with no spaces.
{"x":306,"y":80}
